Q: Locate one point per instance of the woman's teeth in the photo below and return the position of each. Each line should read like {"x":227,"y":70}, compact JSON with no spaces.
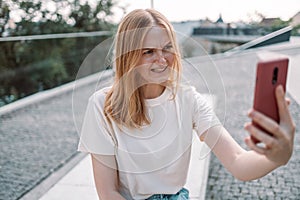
{"x":159,"y":70}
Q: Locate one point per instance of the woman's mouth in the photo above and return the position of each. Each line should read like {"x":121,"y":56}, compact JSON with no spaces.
{"x":159,"y":70}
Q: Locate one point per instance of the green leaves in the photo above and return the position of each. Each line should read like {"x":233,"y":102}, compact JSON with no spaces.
{"x":32,"y":65}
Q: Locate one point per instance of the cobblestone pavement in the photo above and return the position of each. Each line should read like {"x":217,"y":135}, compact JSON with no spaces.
{"x":37,"y":140}
{"x":284,"y":183}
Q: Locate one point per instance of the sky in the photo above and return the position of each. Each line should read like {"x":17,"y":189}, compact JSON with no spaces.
{"x":231,"y":10}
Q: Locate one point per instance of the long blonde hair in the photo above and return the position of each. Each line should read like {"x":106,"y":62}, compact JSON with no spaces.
{"x":124,"y":103}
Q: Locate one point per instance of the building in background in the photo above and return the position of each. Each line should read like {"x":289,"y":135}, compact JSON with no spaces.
{"x":219,"y":36}
{"x":295,"y":20}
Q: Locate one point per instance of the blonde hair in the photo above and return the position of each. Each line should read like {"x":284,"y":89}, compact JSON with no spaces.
{"x":124,"y":103}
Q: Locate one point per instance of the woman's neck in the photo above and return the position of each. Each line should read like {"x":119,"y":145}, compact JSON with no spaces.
{"x":151,"y":91}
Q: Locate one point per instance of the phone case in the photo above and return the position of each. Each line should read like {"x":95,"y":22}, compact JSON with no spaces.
{"x":269,"y":75}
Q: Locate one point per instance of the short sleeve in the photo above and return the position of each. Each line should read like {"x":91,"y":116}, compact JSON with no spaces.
{"x":204,"y":116}
{"x":95,"y":136}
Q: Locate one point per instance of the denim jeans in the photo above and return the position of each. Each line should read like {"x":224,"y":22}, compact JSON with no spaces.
{"x":183,"y":194}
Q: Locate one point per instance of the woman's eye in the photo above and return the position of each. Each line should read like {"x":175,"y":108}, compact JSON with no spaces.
{"x":168,"y":48}
{"x":148,"y":52}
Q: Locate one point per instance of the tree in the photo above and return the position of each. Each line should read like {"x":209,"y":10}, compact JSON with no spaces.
{"x":87,"y":18}
{"x":41,"y":17}
{"x":4,"y":16}
{"x":278,"y":24}
{"x":28,"y":66}
{"x":296,"y":30}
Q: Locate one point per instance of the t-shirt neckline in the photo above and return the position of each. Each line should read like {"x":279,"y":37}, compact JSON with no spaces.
{"x":160,"y":99}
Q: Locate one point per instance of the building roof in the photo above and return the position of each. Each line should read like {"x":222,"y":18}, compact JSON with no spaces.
{"x":296,"y":15}
{"x":268,"y":21}
{"x":295,"y":20}
{"x":220,"y":20}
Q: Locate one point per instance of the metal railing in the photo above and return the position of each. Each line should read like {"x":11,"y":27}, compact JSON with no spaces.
{"x":29,"y":64}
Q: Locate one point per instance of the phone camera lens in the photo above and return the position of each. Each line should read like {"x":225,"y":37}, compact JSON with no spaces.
{"x":275,"y":75}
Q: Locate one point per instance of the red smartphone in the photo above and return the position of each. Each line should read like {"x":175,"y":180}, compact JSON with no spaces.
{"x":269,"y":74}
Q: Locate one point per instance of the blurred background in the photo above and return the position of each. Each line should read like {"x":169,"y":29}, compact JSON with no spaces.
{"x":43,"y":43}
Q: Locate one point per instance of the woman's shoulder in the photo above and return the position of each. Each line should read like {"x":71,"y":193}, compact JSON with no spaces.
{"x":99,"y":95}
{"x":190,"y":95}
{"x":186,"y":90}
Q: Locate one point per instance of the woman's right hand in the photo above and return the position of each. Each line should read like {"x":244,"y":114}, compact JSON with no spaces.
{"x":279,"y":147}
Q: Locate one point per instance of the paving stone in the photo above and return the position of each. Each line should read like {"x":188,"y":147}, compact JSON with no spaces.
{"x":34,"y":142}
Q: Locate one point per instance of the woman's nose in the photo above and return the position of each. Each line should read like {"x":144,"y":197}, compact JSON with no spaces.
{"x":161,"y":60}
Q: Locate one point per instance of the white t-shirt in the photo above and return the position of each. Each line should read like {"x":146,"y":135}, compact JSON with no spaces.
{"x":154,"y":159}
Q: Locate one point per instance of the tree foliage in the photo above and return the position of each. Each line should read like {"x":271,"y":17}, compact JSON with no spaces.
{"x":30,"y":66}
{"x":296,"y":30}
{"x":42,"y":17}
{"x":278,"y":24}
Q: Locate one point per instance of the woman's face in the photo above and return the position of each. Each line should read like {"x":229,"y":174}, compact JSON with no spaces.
{"x":157,"y":57}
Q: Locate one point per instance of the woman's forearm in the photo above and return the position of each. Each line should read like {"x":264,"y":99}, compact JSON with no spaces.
{"x":242,"y":164}
{"x":250,"y":165}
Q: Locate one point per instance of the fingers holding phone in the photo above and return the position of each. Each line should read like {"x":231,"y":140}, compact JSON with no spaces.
{"x":278,"y":147}
{"x":272,"y":128}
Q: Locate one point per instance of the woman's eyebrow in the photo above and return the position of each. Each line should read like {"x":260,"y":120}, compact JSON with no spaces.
{"x":147,"y":48}
{"x":151,"y":48}
{"x":168,"y":43}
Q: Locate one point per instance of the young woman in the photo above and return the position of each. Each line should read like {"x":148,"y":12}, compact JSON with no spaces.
{"x":139,"y":130}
